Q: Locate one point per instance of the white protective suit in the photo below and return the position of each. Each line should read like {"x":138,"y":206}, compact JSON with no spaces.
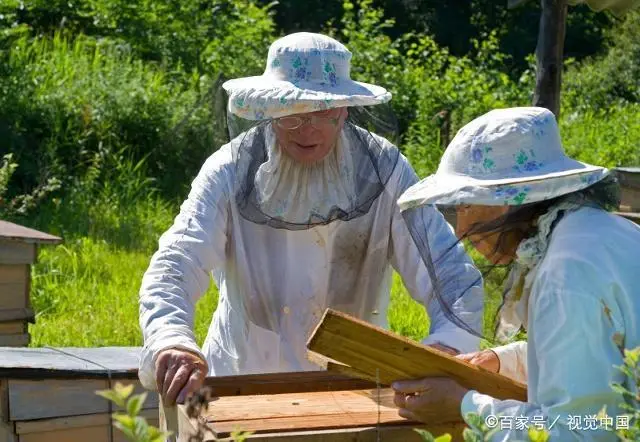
{"x":275,"y":284}
{"x":583,"y":308}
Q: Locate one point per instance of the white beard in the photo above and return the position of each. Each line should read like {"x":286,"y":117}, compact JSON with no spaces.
{"x":298,"y":192}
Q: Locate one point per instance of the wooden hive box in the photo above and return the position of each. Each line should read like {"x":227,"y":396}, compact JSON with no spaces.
{"x":48,"y":394}
{"x":349,"y":401}
{"x":629,"y":179}
{"x":18,"y":251}
{"x":315,"y":406}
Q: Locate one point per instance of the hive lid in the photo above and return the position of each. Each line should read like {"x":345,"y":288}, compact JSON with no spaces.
{"x":16,"y":232}
{"x":74,"y":362}
{"x":628,"y":169}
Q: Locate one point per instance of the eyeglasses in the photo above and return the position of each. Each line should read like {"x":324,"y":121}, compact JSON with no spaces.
{"x":294,"y":122}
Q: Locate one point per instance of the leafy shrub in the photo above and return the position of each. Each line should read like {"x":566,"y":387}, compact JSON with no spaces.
{"x":20,"y":204}
{"x":136,"y":428}
{"x":430,"y":87}
{"x":174,"y":34}
{"x":631,"y":393}
{"x":606,"y":137}
{"x":610,"y":79}
{"x":65,"y":101}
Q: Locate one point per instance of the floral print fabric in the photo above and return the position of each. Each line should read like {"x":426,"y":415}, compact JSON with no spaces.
{"x":304,"y":73}
{"x":505,"y":157}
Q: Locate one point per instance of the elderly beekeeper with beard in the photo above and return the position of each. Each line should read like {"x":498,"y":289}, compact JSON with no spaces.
{"x":296,"y":214}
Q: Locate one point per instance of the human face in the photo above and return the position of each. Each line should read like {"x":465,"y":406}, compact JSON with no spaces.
{"x":309,"y":137}
{"x":489,"y":244}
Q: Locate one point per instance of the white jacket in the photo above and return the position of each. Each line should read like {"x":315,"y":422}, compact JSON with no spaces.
{"x":584,"y":302}
{"x":274,"y":285}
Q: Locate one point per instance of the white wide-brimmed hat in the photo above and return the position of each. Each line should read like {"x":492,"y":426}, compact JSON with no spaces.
{"x":305,"y":72}
{"x":505,"y":157}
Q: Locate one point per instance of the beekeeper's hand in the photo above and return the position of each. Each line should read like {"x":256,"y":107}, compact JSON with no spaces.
{"x":486,"y":359}
{"x":179,"y":373}
{"x":431,"y":400}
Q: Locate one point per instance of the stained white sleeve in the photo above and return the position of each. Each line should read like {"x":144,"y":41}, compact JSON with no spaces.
{"x":178,"y":274}
{"x":513,"y":360}
{"x":576,"y":360}
{"x":459,"y":281}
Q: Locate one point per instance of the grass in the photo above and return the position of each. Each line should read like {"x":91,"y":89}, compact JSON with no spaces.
{"x":609,"y":137}
{"x":85,"y":293}
{"x":70,"y":102}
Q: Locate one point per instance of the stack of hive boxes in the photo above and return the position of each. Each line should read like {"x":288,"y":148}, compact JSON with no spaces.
{"x":49,"y":394}
{"x":18,"y":251}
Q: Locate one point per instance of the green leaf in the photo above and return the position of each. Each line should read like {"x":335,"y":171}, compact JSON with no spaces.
{"x":470,"y":435}
{"x":444,"y":438}
{"x":125,"y":420}
{"x":135,"y":404}
{"x":124,"y":391}
{"x":632,"y":356}
{"x":127,"y":431}
{"x":125,"y":424}
{"x":425,"y":435}
{"x":141,"y":427}
{"x":111,"y":396}
{"x":240,"y":436}
{"x":536,"y":435}
{"x":155,"y":435}
{"x":475,"y":421}
{"x":153,"y":432}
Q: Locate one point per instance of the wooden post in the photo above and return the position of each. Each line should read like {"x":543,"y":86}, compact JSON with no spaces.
{"x":549,"y":55}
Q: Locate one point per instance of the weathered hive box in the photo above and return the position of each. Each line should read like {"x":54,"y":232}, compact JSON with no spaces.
{"x":18,"y":251}
{"x":49,"y":394}
{"x":304,"y":406}
{"x":629,"y":178}
{"x":347,"y":401}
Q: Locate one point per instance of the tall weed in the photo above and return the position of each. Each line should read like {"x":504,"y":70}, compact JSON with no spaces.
{"x":78,"y":96}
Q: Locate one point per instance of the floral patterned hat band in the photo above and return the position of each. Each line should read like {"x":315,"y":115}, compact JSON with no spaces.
{"x":505,"y":157}
{"x":305,"y":72}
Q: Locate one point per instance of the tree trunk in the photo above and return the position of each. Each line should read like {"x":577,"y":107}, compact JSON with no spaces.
{"x":549,"y":55}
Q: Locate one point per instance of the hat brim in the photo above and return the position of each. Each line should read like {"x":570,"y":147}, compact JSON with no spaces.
{"x":262,"y":97}
{"x":565,"y":177}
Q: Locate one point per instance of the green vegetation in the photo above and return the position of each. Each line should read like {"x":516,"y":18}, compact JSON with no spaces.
{"x":108,"y":109}
{"x":134,"y":427}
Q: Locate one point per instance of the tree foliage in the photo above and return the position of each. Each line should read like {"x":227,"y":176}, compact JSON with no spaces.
{"x":86,"y":84}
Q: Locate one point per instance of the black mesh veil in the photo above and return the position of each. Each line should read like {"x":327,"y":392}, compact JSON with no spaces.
{"x":518,"y":223}
{"x":365,"y":159}
{"x":433,"y":260}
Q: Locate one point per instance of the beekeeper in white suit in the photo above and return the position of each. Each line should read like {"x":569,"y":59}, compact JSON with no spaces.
{"x":296,"y":214}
